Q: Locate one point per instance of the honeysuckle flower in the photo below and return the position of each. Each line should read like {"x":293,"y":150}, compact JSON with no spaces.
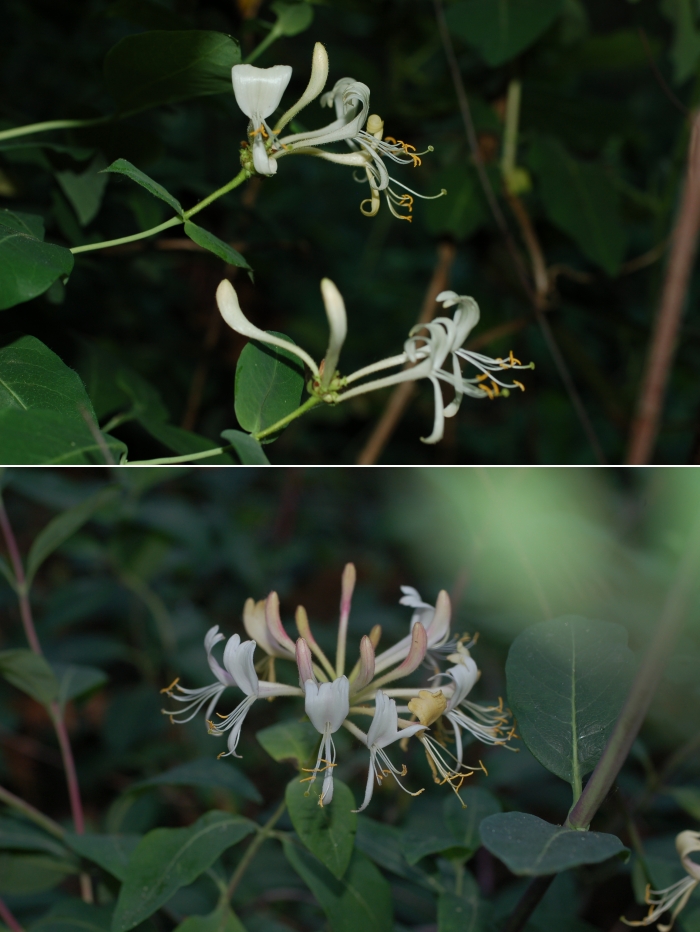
{"x":383,"y":731}
{"x":435,"y":619}
{"x":196,"y":698}
{"x":677,"y":895}
{"x":258,"y":92}
{"x":327,"y":706}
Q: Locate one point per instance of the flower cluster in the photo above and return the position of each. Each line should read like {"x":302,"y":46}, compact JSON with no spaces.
{"x":258,"y":92}
{"x":429,"y":348}
{"x":438,"y":715}
{"x":677,"y":895}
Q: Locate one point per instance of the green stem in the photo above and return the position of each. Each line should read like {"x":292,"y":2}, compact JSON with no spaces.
{"x":263,"y":834}
{"x":242,"y":175}
{"x":308,"y":404}
{"x":271,"y":37}
{"x":43,"y":821}
{"x":49,"y":125}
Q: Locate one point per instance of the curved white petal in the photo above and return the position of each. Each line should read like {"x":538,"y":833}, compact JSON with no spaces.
{"x":238,"y":660}
{"x":317,"y":81}
{"x":337,"y":325}
{"x":259,"y":91}
{"x":327,"y":704}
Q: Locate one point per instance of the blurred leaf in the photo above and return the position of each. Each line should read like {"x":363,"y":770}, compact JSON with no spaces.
{"x":360,"y":900}
{"x":63,"y":526}
{"x":76,"y":681}
{"x":269,"y":384}
{"x":567,"y":681}
{"x":464,"y":913}
{"x":292,"y":741}
{"x":248,"y":449}
{"x":72,"y":915}
{"x":582,"y":201}
{"x":531,"y":847}
{"x":122,"y":167}
{"x":436,"y":839}
{"x":461,"y":211}
{"x":292,"y":18}
{"x":685,"y":52}
{"x":463,"y":822}
{"x":169,"y":858}
{"x":327,"y":831}
{"x":16,"y":835}
{"x":162,"y":67}
{"x":85,"y":190}
{"x":31,"y":873}
{"x":39,"y":437}
{"x":206,"y":772}
{"x":28,"y":266}
{"x":383,"y":844}
{"x":221,"y":920}
{"x":31,"y":673}
{"x":146,"y":13}
{"x":500,"y":31}
{"x":688,"y":798}
{"x":182,"y":441}
{"x":207,"y":240}
{"x":112,"y":852}
{"x":31,"y":224}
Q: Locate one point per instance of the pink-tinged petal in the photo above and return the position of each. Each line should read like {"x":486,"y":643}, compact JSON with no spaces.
{"x":366,"y":665}
{"x":255,"y":624}
{"x":440,"y":625}
{"x":277,"y":633}
{"x":304,"y":662}
{"x":416,"y":653}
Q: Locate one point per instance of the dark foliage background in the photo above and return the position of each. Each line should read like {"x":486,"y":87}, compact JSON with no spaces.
{"x":133,"y":592}
{"x":597,"y":82}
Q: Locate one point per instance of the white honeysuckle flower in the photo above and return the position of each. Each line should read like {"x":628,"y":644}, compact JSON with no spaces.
{"x":327,"y":706}
{"x":677,"y":895}
{"x":428,"y":352}
{"x":196,"y":698}
{"x":238,"y":660}
{"x":435,"y":620}
{"x":383,"y":731}
{"x":258,"y":93}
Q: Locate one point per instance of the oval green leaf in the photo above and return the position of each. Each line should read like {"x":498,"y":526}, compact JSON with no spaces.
{"x":31,"y":673}
{"x":501,"y":30}
{"x":206,"y":772}
{"x":207,"y":240}
{"x":292,"y":741}
{"x":169,"y":858}
{"x":327,"y":831}
{"x":531,"y":847}
{"x":248,"y":449}
{"x":71,"y":915}
{"x":221,"y":920}
{"x":165,"y":66}
{"x":28,"y":267}
{"x":32,"y":873}
{"x":111,"y":852}
{"x":269,"y":383}
{"x":122,"y":167}
{"x":567,"y":681}
{"x":464,"y":821}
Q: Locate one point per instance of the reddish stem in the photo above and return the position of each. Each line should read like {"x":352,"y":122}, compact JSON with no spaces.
{"x":9,"y":919}
{"x":15,"y":559}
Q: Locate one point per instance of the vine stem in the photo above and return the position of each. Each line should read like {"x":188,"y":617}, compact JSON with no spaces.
{"x":30,"y":812}
{"x":242,"y":176}
{"x":189,"y":457}
{"x":263,"y":834}
{"x":629,"y":720}
{"x":54,"y":708}
{"x":8,"y":918}
{"x":45,"y":127}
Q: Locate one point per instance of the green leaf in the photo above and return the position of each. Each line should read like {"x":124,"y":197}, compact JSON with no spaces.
{"x":85,"y":190}
{"x":292,"y":18}
{"x":16,"y":835}
{"x":685,"y":51}
{"x":582,"y":201}
{"x":360,"y":900}
{"x":31,"y":224}
{"x":221,"y":920}
{"x":205,"y":772}
{"x":146,"y":13}
{"x":463,"y":822}
{"x":183,"y":441}
{"x":292,"y":741}
{"x":269,"y":383}
{"x":122,"y":167}
{"x":74,"y":916}
{"x":383,"y":844}
{"x":461,"y":211}
{"x":112,"y":852}
{"x":207,"y":240}
{"x":417,"y":844}
{"x":501,"y":29}
{"x":169,"y":858}
{"x":63,"y":526}
{"x":567,"y":681}
{"x":248,"y":449}
{"x":32,"y":873}
{"x":327,"y":831}
{"x":31,"y":673}
{"x":28,"y":267}
{"x":465,"y":913}
{"x":531,"y":847}
{"x":35,"y":438}
{"x":162,"y":67}
{"x":77,"y":680}
{"x":688,"y":798}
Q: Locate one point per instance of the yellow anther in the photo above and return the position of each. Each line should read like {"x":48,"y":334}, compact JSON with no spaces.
{"x":261,"y":129}
{"x":519,"y":384}
{"x":168,"y":689}
{"x":513,"y":361}
{"x":488,"y":391}
{"x":483,"y":768}
{"x":480,"y":378}
{"x":219,"y":756}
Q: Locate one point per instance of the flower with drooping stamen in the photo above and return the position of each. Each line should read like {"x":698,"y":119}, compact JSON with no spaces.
{"x":195,"y":698}
{"x":677,"y":895}
{"x":327,"y":706}
{"x":435,"y":620}
{"x":383,"y":731}
{"x":258,"y":93}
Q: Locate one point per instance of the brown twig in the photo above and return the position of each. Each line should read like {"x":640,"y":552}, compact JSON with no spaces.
{"x":8,"y":918}
{"x":645,"y":427}
{"x":400,"y":397}
{"x":657,"y":74}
